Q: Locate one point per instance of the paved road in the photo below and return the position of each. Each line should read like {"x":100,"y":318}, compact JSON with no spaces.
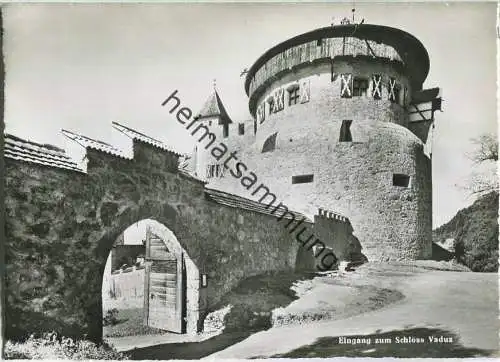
{"x":465,"y":304}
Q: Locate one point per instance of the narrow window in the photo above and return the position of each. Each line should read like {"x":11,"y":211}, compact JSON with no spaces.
{"x":345,"y":131}
{"x":377,"y":86}
{"x":225,"y":131}
{"x":346,"y":85}
{"x":210,"y":171}
{"x":271,"y":107}
{"x":401,"y":180}
{"x":261,"y":113}
{"x":397,"y":94}
{"x":241,"y":128}
{"x":319,"y":42}
{"x":293,"y":96}
{"x":302,"y":179}
{"x":359,"y":87}
{"x":270,"y":143}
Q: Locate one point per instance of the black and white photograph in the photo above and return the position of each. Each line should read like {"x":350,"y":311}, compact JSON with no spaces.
{"x":237,"y":180}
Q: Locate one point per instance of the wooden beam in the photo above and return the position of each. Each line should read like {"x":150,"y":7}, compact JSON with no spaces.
{"x":418,"y":110}
{"x":370,"y":48}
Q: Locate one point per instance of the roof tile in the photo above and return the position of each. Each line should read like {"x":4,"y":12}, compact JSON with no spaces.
{"x":213,"y":107}
{"x":94,"y":144}
{"x":23,"y":150}
{"x":239,"y":202}
{"x":136,"y":135}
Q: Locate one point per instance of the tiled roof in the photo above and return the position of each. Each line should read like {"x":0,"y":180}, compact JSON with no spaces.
{"x":213,"y":107}
{"x":22,"y":150}
{"x":93,"y":144}
{"x":136,"y":135}
{"x":247,"y":204}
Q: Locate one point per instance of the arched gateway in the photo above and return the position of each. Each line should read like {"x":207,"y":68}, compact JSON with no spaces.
{"x":62,"y":221}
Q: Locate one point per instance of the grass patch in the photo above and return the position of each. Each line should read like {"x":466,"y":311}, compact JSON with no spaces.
{"x":129,"y":322}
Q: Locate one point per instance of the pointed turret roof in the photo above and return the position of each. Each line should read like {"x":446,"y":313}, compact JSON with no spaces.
{"x":213,"y":107}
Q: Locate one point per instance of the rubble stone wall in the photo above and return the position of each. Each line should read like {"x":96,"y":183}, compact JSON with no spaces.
{"x":61,"y":225}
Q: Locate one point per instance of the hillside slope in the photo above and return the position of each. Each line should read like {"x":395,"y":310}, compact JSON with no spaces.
{"x":475,"y":230}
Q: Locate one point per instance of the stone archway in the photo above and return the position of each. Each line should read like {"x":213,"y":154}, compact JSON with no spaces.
{"x":189,"y":294}
{"x":61,"y":225}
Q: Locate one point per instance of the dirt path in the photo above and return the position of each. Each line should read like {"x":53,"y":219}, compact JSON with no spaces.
{"x":454,"y":303}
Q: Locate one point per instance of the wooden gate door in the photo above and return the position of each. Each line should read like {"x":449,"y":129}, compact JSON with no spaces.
{"x":163,"y":286}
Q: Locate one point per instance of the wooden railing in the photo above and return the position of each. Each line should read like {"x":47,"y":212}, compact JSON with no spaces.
{"x":319,"y":49}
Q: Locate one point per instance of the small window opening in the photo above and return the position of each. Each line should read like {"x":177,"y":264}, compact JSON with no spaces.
{"x":225,"y":131}
{"x":359,"y":87}
{"x":345,"y":131}
{"x":397,"y":93}
{"x":215,"y":171}
{"x":271,"y":107}
{"x":210,"y":171}
{"x":269,"y":143}
{"x":241,"y":128}
{"x":293,"y":96}
{"x":319,"y":42}
{"x":302,"y":179}
{"x":400,"y":180}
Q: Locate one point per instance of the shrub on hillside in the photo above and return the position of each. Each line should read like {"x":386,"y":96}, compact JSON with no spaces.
{"x":52,"y":346}
{"x":475,"y":230}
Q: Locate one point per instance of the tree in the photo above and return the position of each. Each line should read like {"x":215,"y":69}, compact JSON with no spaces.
{"x":487,"y":148}
{"x":485,"y":157}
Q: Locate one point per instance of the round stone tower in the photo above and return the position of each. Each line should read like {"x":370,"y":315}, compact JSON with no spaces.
{"x":336,"y":127}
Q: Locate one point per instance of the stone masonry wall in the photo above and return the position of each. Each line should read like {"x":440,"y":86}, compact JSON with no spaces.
{"x":61,"y":225}
{"x":335,"y":232}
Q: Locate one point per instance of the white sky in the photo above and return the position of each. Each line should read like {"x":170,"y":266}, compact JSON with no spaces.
{"x":81,"y":66}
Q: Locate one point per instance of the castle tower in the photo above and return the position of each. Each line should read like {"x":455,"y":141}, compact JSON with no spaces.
{"x":213,"y":114}
{"x":236,"y":136}
{"x":341,"y":121}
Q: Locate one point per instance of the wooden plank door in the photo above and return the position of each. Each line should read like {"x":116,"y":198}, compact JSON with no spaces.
{"x":163,"y":286}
